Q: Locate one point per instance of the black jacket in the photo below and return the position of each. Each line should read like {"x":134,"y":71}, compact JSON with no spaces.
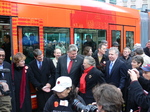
{"x":100,"y":65}
{"x":139,"y":96}
{"x":93,"y":78}
{"x":54,"y":104}
{"x":75,"y":72}
{"x":147,"y":52}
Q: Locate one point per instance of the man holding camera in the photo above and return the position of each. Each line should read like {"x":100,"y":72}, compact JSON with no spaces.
{"x":5,"y":100}
{"x":5,"y":84}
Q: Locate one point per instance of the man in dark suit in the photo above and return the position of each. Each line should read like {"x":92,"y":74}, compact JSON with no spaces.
{"x":70,"y":65}
{"x":6,"y":76}
{"x":116,"y":70}
{"x":43,"y":70}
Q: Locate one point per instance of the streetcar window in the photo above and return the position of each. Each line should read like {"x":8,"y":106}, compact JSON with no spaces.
{"x":81,"y":34}
{"x":30,"y":41}
{"x":130,"y":39}
{"x":55,"y":38}
{"x":116,"y":37}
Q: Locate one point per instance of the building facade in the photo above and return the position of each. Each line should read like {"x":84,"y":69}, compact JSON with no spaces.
{"x":108,"y":1}
{"x":141,"y":5}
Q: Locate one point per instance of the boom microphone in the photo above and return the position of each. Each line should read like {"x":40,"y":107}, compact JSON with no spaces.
{"x":5,"y":70}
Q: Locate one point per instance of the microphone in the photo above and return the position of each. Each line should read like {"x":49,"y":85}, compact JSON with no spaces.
{"x":5,"y":70}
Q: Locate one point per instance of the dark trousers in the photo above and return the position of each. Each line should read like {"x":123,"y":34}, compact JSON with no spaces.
{"x":42,"y":98}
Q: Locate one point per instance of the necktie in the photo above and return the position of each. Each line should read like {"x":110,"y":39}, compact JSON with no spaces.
{"x":110,"y":67}
{"x":40,"y":64}
{"x":70,"y":65}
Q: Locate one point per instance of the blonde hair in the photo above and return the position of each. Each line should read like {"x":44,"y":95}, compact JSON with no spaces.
{"x":18,"y":57}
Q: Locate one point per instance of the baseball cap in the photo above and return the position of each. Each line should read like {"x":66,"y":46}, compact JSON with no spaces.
{"x":104,"y":41}
{"x":146,"y":68}
{"x":115,"y":44}
{"x":62,"y":83}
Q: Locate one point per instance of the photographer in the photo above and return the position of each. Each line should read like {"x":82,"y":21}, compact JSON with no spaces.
{"x":140,"y":97}
{"x":5,"y":100}
{"x":108,"y":98}
{"x":63,"y":97}
{"x":5,"y":82}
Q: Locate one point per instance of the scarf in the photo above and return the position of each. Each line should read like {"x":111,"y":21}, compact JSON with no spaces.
{"x":22,"y":85}
{"x":82,"y":79}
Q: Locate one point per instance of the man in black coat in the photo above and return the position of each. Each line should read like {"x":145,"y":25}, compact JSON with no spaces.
{"x":7,"y":47}
{"x":147,"y":49}
{"x":6,"y":76}
{"x":70,"y":65}
{"x":126,"y":58}
{"x":43,"y":70}
{"x":100,"y":57}
{"x":138,"y":83}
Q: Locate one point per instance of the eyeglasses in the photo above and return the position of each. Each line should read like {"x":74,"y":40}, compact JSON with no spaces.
{"x":2,"y":55}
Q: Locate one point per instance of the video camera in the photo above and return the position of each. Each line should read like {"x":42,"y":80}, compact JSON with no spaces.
{"x":5,"y":93}
{"x":81,"y":107}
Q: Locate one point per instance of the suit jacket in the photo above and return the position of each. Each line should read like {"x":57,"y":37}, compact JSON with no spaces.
{"x":55,"y":62}
{"x":41,"y":77}
{"x":93,"y":78}
{"x":118,"y":74}
{"x":7,"y":75}
{"x":45,"y":75}
{"x":75,"y":72}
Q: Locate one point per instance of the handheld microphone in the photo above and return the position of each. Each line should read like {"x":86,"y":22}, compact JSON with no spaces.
{"x":5,"y":70}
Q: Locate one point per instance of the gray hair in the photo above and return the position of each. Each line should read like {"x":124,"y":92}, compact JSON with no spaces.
{"x":115,"y":49}
{"x":127,"y":48}
{"x":137,"y":45}
{"x":72,"y":47}
{"x":139,"y":51}
{"x":37,"y":52}
{"x":91,"y":60}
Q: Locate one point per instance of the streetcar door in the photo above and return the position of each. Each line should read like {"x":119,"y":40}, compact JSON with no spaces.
{"x":116,"y":34}
{"x":129,"y":36}
{"x":28,"y":40}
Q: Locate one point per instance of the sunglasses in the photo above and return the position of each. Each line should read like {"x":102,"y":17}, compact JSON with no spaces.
{"x":2,"y":55}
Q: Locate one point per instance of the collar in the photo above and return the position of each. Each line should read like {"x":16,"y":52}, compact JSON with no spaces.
{"x":68,"y":59}
{"x":38,"y":62}
{"x":113,"y":61}
{"x":2,"y":65}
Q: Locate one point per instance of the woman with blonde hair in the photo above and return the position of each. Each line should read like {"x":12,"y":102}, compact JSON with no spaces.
{"x":20,"y":78}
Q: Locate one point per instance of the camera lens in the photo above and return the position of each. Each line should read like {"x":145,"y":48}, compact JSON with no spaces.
{"x":81,"y":107}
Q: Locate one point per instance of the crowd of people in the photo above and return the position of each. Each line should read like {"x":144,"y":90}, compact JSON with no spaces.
{"x":115,"y":81}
